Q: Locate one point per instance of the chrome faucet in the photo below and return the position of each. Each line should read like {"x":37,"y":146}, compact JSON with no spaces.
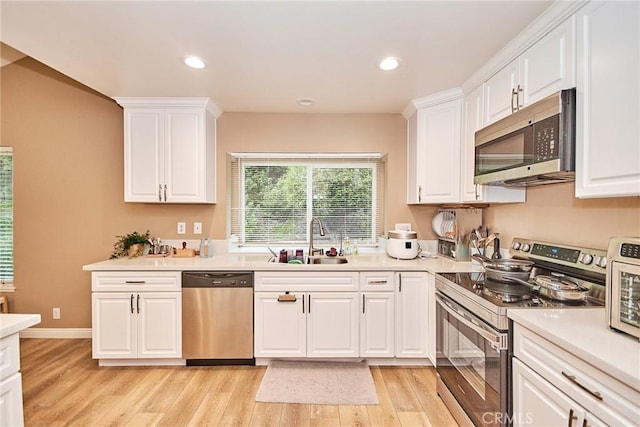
{"x":312,"y":250}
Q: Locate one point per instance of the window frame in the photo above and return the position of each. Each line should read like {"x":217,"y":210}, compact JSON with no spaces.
{"x":372,"y":161}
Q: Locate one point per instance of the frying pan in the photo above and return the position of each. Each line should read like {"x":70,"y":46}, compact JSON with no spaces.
{"x":505,"y":276}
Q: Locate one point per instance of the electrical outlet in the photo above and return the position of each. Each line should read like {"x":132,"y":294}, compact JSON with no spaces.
{"x":197,"y":228}
{"x":182,"y":228}
{"x":56,"y":313}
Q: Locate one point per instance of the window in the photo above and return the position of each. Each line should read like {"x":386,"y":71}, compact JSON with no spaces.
{"x":6,"y":216}
{"x":274,"y":196}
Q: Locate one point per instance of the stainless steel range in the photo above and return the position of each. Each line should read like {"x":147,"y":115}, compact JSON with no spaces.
{"x":473,"y":339}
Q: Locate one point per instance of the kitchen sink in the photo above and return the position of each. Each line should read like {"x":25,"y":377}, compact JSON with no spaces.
{"x":328,"y":260}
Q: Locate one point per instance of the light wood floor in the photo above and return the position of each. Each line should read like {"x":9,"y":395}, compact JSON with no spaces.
{"x":62,"y":386}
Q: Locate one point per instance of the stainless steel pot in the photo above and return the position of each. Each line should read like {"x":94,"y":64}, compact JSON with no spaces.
{"x":504,"y":265}
{"x":556,"y":287}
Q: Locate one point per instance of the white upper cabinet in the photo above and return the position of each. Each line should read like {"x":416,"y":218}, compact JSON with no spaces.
{"x":608,"y":99}
{"x":474,"y":193}
{"x":170,"y":150}
{"x":546,"y":67}
{"x":433,"y":150}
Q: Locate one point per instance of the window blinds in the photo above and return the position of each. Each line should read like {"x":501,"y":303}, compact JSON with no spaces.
{"x":6,"y":215}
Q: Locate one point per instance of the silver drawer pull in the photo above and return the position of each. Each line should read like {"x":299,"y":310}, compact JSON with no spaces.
{"x":573,"y":379}
{"x":131,"y":282}
{"x":377,"y":282}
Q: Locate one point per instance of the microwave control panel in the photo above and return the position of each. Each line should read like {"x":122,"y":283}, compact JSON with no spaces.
{"x":630,"y":250}
{"x":545,"y":139}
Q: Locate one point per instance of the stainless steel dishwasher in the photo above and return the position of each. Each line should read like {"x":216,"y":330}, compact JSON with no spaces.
{"x":217,"y":318}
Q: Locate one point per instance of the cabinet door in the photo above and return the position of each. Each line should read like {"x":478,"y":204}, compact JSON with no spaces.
{"x":185,"y":164}
{"x":439,"y":153}
{"x":113,"y":330}
{"x":537,"y":402}
{"x":280,"y":326}
{"x":143,"y":155}
{"x":411,"y":315}
{"x":608,"y":100}
{"x":549,"y":65}
{"x":159,"y":317}
{"x":333,"y":323}
{"x":499,"y":100}
{"x":377,"y":325}
{"x":11,"y":412}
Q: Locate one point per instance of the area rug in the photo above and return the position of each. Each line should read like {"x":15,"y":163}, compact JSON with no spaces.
{"x":320,"y":383}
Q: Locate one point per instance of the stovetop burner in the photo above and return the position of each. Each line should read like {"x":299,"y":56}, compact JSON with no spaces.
{"x":506,"y":292}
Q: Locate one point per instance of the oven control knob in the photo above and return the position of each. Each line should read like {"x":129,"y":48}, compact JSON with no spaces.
{"x":587,"y":259}
{"x":516,"y":246}
{"x":526,"y":247}
{"x":602,"y":262}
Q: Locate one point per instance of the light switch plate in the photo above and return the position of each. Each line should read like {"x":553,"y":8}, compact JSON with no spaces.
{"x":197,"y":228}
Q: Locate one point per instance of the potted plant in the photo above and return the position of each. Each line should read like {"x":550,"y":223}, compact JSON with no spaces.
{"x":131,"y":245}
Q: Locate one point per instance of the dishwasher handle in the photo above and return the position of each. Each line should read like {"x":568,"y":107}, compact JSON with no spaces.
{"x":217,"y":279}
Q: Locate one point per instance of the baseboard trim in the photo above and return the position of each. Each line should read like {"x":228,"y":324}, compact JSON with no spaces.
{"x":73,"y":333}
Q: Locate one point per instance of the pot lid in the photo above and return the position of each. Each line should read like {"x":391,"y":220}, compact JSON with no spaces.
{"x":559,"y":283}
{"x":401,"y":234}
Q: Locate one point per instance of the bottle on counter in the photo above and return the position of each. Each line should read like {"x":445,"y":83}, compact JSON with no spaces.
{"x":206,"y":248}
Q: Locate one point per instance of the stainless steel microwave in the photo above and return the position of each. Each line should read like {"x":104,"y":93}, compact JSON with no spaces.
{"x":533,"y":146}
{"x":623,"y":285}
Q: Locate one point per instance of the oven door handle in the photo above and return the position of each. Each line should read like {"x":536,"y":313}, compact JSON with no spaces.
{"x":497,"y":340}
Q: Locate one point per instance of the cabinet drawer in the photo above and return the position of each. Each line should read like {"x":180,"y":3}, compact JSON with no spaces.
{"x":377,"y":281}
{"x":9,"y":356}
{"x":619,"y":404}
{"x":135,"y":281}
{"x":309,"y":281}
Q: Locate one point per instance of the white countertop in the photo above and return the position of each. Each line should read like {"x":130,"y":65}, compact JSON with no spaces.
{"x":258,"y":262}
{"x":586,"y":334}
{"x":13,"y":323}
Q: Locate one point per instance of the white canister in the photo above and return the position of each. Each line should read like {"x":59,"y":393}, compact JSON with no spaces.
{"x":403,"y":244}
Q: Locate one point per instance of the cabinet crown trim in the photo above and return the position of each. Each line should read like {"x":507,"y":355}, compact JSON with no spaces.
{"x":169,"y":102}
{"x":431,"y":100}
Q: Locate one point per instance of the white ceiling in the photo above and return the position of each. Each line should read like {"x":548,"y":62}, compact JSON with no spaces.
{"x":263,"y":56}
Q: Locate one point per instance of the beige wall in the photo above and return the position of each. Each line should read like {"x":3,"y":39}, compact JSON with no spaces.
{"x":69,"y":204}
{"x":553,"y":214}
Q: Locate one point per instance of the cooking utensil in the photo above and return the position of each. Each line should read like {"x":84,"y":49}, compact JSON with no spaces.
{"x":504,"y":265}
{"x":557,"y":287}
{"x":505,"y":276}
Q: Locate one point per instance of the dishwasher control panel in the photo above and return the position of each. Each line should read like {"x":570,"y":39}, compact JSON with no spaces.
{"x":217,"y":279}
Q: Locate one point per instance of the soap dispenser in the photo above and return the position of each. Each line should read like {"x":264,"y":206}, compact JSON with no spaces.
{"x":206,"y":248}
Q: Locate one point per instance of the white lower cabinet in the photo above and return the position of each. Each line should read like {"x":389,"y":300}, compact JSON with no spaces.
{"x":10,"y":382}
{"x":313,"y":324}
{"x":136,"y":315}
{"x":552,"y":386}
{"x":411,"y":315}
{"x":536,"y":402}
{"x":377,"y":324}
{"x":306,"y":314}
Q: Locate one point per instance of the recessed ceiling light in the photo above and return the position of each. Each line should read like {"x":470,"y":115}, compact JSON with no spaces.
{"x":305,"y":102}
{"x":389,"y":63}
{"x":194,"y":62}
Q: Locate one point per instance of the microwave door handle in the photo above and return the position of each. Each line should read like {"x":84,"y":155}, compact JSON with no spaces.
{"x":498,"y":341}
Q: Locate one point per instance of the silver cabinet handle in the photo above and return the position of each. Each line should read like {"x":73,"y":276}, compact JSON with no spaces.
{"x":129,"y":282}
{"x":419,"y":193}
{"x":514,"y":95}
{"x":131,"y":303}
{"x":165,"y":192}
{"x":377,"y":282}
{"x":573,"y":379}
{"x":309,"y":304}
{"x":520,"y":90}
{"x":363,"y":304}
{"x":138,"y":303}
{"x":160,"y":192}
